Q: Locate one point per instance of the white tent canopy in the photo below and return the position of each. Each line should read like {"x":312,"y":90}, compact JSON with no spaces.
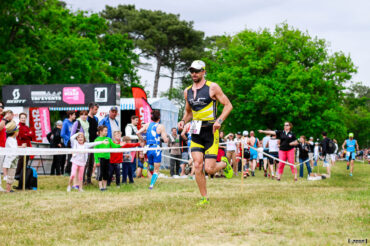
{"x":169,"y":111}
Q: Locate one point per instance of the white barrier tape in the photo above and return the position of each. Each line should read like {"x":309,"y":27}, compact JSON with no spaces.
{"x":58,"y":151}
{"x":178,"y":159}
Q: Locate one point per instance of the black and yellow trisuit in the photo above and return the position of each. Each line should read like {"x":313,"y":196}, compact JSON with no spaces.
{"x":204,"y":109}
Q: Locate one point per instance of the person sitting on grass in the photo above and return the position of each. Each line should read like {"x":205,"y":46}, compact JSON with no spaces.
{"x":10,"y":161}
{"x":78,"y":141}
{"x":102,"y":159}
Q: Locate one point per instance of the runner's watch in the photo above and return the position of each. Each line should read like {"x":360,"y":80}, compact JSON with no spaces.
{"x":220,"y":121}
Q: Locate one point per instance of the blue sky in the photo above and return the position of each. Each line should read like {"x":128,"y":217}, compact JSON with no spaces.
{"x":344,"y":24}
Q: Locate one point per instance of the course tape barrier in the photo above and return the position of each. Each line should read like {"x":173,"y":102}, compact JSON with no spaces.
{"x":66,"y":151}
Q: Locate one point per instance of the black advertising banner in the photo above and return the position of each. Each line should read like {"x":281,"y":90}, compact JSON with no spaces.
{"x":60,"y":95}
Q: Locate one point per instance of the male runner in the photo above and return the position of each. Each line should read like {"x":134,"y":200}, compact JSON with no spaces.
{"x":154,"y":131}
{"x":201,"y":100}
{"x":352,"y":146}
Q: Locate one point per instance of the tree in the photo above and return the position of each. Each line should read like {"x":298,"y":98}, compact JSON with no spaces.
{"x":356,"y":113}
{"x":281,"y":76}
{"x":43,"y":42}
{"x":162,"y":36}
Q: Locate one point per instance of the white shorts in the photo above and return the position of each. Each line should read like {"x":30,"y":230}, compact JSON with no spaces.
{"x":310,"y":156}
{"x":333,"y":157}
{"x":327,"y":160}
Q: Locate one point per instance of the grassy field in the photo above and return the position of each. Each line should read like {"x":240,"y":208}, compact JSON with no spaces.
{"x":262,"y":212}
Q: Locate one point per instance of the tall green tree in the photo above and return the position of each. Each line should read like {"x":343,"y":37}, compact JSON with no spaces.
{"x":161,"y":36}
{"x":356,"y":113}
{"x":43,"y":42}
{"x":285,"y":75}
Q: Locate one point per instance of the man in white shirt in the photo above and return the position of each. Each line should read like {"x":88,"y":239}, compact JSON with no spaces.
{"x":131,"y":129}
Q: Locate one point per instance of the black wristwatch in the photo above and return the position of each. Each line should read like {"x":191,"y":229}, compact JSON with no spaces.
{"x":220,"y":121}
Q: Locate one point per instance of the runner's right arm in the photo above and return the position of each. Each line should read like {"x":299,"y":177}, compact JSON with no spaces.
{"x":188,"y":114}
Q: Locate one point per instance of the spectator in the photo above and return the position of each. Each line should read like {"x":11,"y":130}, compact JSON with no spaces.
{"x":55,"y":139}
{"x":254,"y":142}
{"x":231,"y":151}
{"x":3,"y":120}
{"x":333,"y":156}
{"x":304,"y":149}
{"x":78,"y":141}
{"x":131,"y":129}
{"x":24,"y":138}
{"x":311,"y":146}
{"x":8,"y":117}
{"x":326,"y":152}
{"x":266,"y":150}
{"x":273,"y":145}
{"x":175,"y":153}
{"x":102,"y":159}
{"x":66,"y":134}
{"x":10,"y":162}
{"x":110,"y":121}
{"x":316,"y":153}
{"x":128,"y":159}
{"x":93,"y":129}
{"x":286,"y":152}
{"x":81,"y":125}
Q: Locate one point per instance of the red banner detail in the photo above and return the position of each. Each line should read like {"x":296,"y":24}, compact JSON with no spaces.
{"x":142,"y":107}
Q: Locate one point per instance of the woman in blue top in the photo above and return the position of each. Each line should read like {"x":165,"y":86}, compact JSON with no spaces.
{"x":352,"y":146}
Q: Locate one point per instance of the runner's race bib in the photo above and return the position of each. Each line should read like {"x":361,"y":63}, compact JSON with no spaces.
{"x":196,"y":125}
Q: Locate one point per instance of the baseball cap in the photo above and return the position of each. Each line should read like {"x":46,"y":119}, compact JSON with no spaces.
{"x":114,"y":108}
{"x":11,"y":127}
{"x":311,"y":138}
{"x":350,"y":135}
{"x":245,"y":133}
{"x":238,"y":133}
{"x":197,"y":64}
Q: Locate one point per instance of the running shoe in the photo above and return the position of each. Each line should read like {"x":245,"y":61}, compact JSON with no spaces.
{"x":69,"y":188}
{"x":350,"y":174}
{"x":203,"y":201}
{"x":228,"y":170}
{"x":150,"y":187}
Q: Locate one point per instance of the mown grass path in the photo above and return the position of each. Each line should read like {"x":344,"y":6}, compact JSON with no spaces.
{"x":262,"y":212}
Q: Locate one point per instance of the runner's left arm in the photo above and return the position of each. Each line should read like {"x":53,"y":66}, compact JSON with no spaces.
{"x":217,"y":93}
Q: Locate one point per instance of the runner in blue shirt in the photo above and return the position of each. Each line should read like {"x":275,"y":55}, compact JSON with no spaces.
{"x":351,"y":147}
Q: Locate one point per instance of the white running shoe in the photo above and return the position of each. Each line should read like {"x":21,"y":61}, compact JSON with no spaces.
{"x":69,"y":188}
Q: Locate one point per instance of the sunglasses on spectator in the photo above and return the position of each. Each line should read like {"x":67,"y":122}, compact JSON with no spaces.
{"x":195,"y":70}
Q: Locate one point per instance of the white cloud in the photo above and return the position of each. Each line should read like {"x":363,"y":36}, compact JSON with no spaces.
{"x":344,"y":24}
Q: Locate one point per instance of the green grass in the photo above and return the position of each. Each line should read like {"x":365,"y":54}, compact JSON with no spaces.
{"x":261,"y":212}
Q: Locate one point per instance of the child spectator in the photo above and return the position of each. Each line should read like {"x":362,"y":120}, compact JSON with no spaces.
{"x":10,"y":161}
{"x":102,"y":159}
{"x":128,"y":158}
{"x":79,"y":160}
{"x":116,"y":160}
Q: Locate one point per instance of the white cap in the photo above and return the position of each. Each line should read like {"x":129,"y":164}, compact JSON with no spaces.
{"x":198,"y":64}
{"x":245,"y":133}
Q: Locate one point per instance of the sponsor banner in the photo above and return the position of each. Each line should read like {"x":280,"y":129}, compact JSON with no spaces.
{"x":60,"y":95}
{"x":142,"y":107}
{"x":40,"y":123}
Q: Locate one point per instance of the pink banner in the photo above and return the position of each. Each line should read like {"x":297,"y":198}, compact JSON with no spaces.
{"x":40,"y":123}
{"x":45,"y":123}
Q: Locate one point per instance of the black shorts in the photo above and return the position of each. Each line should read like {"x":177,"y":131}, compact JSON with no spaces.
{"x":205,"y":142}
{"x":247,"y":154}
{"x":274,"y":154}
